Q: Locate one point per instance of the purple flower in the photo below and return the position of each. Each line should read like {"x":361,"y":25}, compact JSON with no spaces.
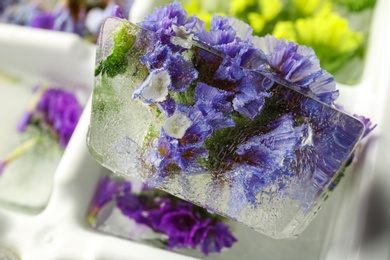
{"x":214,"y":105}
{"x":178,"y":226}
{"x":62,"y":111}
{"x":44,"y":20}
{"x":108,"y":189}
{"x":269,"y":150}
{"x":211,"y":237}
{"x":116,"y":12}
{"x":298,"y":65}
{"x":169,"y":18}
{"x":252,"y":92}
{"x":159,"y":57}
{"x":133,"y":207}
{"x":367,"y":123}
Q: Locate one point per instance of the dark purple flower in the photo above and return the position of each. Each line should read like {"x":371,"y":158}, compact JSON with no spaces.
{"x":157,"y":56}
{"x":133,"y":207}
{"x":251,"y":95}
{"x":214,"y":105}
{"x":182,"y":73}
{"x":178,"y":226}
{"x":270,"y":149}
{"x":62,"y":111}
{"x":298,"y":65}
{"x":107,"y":190}
{"x":212,"y":237}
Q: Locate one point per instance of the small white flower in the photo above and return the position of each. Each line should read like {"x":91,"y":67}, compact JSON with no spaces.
{"x":157,"y":89}
{"x":177,"y":125}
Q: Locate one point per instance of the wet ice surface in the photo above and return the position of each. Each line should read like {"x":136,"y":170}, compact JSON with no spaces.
{"x":271,"y":173}
{"x":27,"y":181}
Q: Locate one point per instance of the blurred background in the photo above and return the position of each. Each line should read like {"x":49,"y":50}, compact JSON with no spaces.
{"x":44,"y":180}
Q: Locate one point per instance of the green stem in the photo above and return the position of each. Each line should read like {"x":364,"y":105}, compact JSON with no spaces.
{"x":20,"y":150}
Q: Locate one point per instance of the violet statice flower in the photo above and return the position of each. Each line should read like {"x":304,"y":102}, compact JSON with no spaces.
{"x":171,"y":19}
{"x":62,"y":112}
{"x":178,"y":225}
{"x":212,"y":238}
{"x":251,"y":94}
{"x":298,"y":65}
{"x":369,"y":126}
{"x":214,"y":105}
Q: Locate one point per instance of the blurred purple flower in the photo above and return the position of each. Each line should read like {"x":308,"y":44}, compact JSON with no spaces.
{"x":116,"y":12}
{"x":178,"y":226}
{"x":211,"y":237}
{"x":44,"y":20}
{"x":62,"y":112}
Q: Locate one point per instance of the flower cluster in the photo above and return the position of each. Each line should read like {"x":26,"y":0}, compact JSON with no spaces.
{"x":314,"y":23}
{"x":185,"y":225}
{"x":207,"y":101}
{"x":252,"y":113}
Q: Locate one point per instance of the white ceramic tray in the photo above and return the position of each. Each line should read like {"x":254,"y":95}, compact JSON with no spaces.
{"x":354,"y":223}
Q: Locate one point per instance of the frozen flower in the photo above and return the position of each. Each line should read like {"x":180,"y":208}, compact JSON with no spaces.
{"x":215,"y":106}
{"x":269,"y":150}
{"x":155,"y":87}
{"x":133,"y":207}
{"x":164,"y":18}
{"x":298,"y":65}
{"x":251,"y":95}
{"x":178,"y":226}
{"x":62,"y":111}
{"x":108,"y":189}
{"x":177,"y":125}
{"x":212,"y":237}
{"x":367,"y":123}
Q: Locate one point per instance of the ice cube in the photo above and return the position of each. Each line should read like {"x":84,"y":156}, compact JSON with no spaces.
{"x":241,"y":142}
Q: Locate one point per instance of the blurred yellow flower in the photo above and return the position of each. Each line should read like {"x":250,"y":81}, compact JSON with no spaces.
{"x":285,"y":30}
{"x":270,"y":8}
{"x":329,"y":30}
{"x":256,"y":21}
{"x":239,"y":6}
{"x":306,"y":7}
{"x":194,"y":7}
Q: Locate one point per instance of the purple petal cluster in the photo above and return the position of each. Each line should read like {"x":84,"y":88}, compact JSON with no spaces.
{"x":184,"y":224}
{"x":261,"y":156}
{"x":62,"y":111}
{"x":172,"y":20}
{"x":58,"y":109}
{"x":300,"y":66}
{"x":212,"y":110}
